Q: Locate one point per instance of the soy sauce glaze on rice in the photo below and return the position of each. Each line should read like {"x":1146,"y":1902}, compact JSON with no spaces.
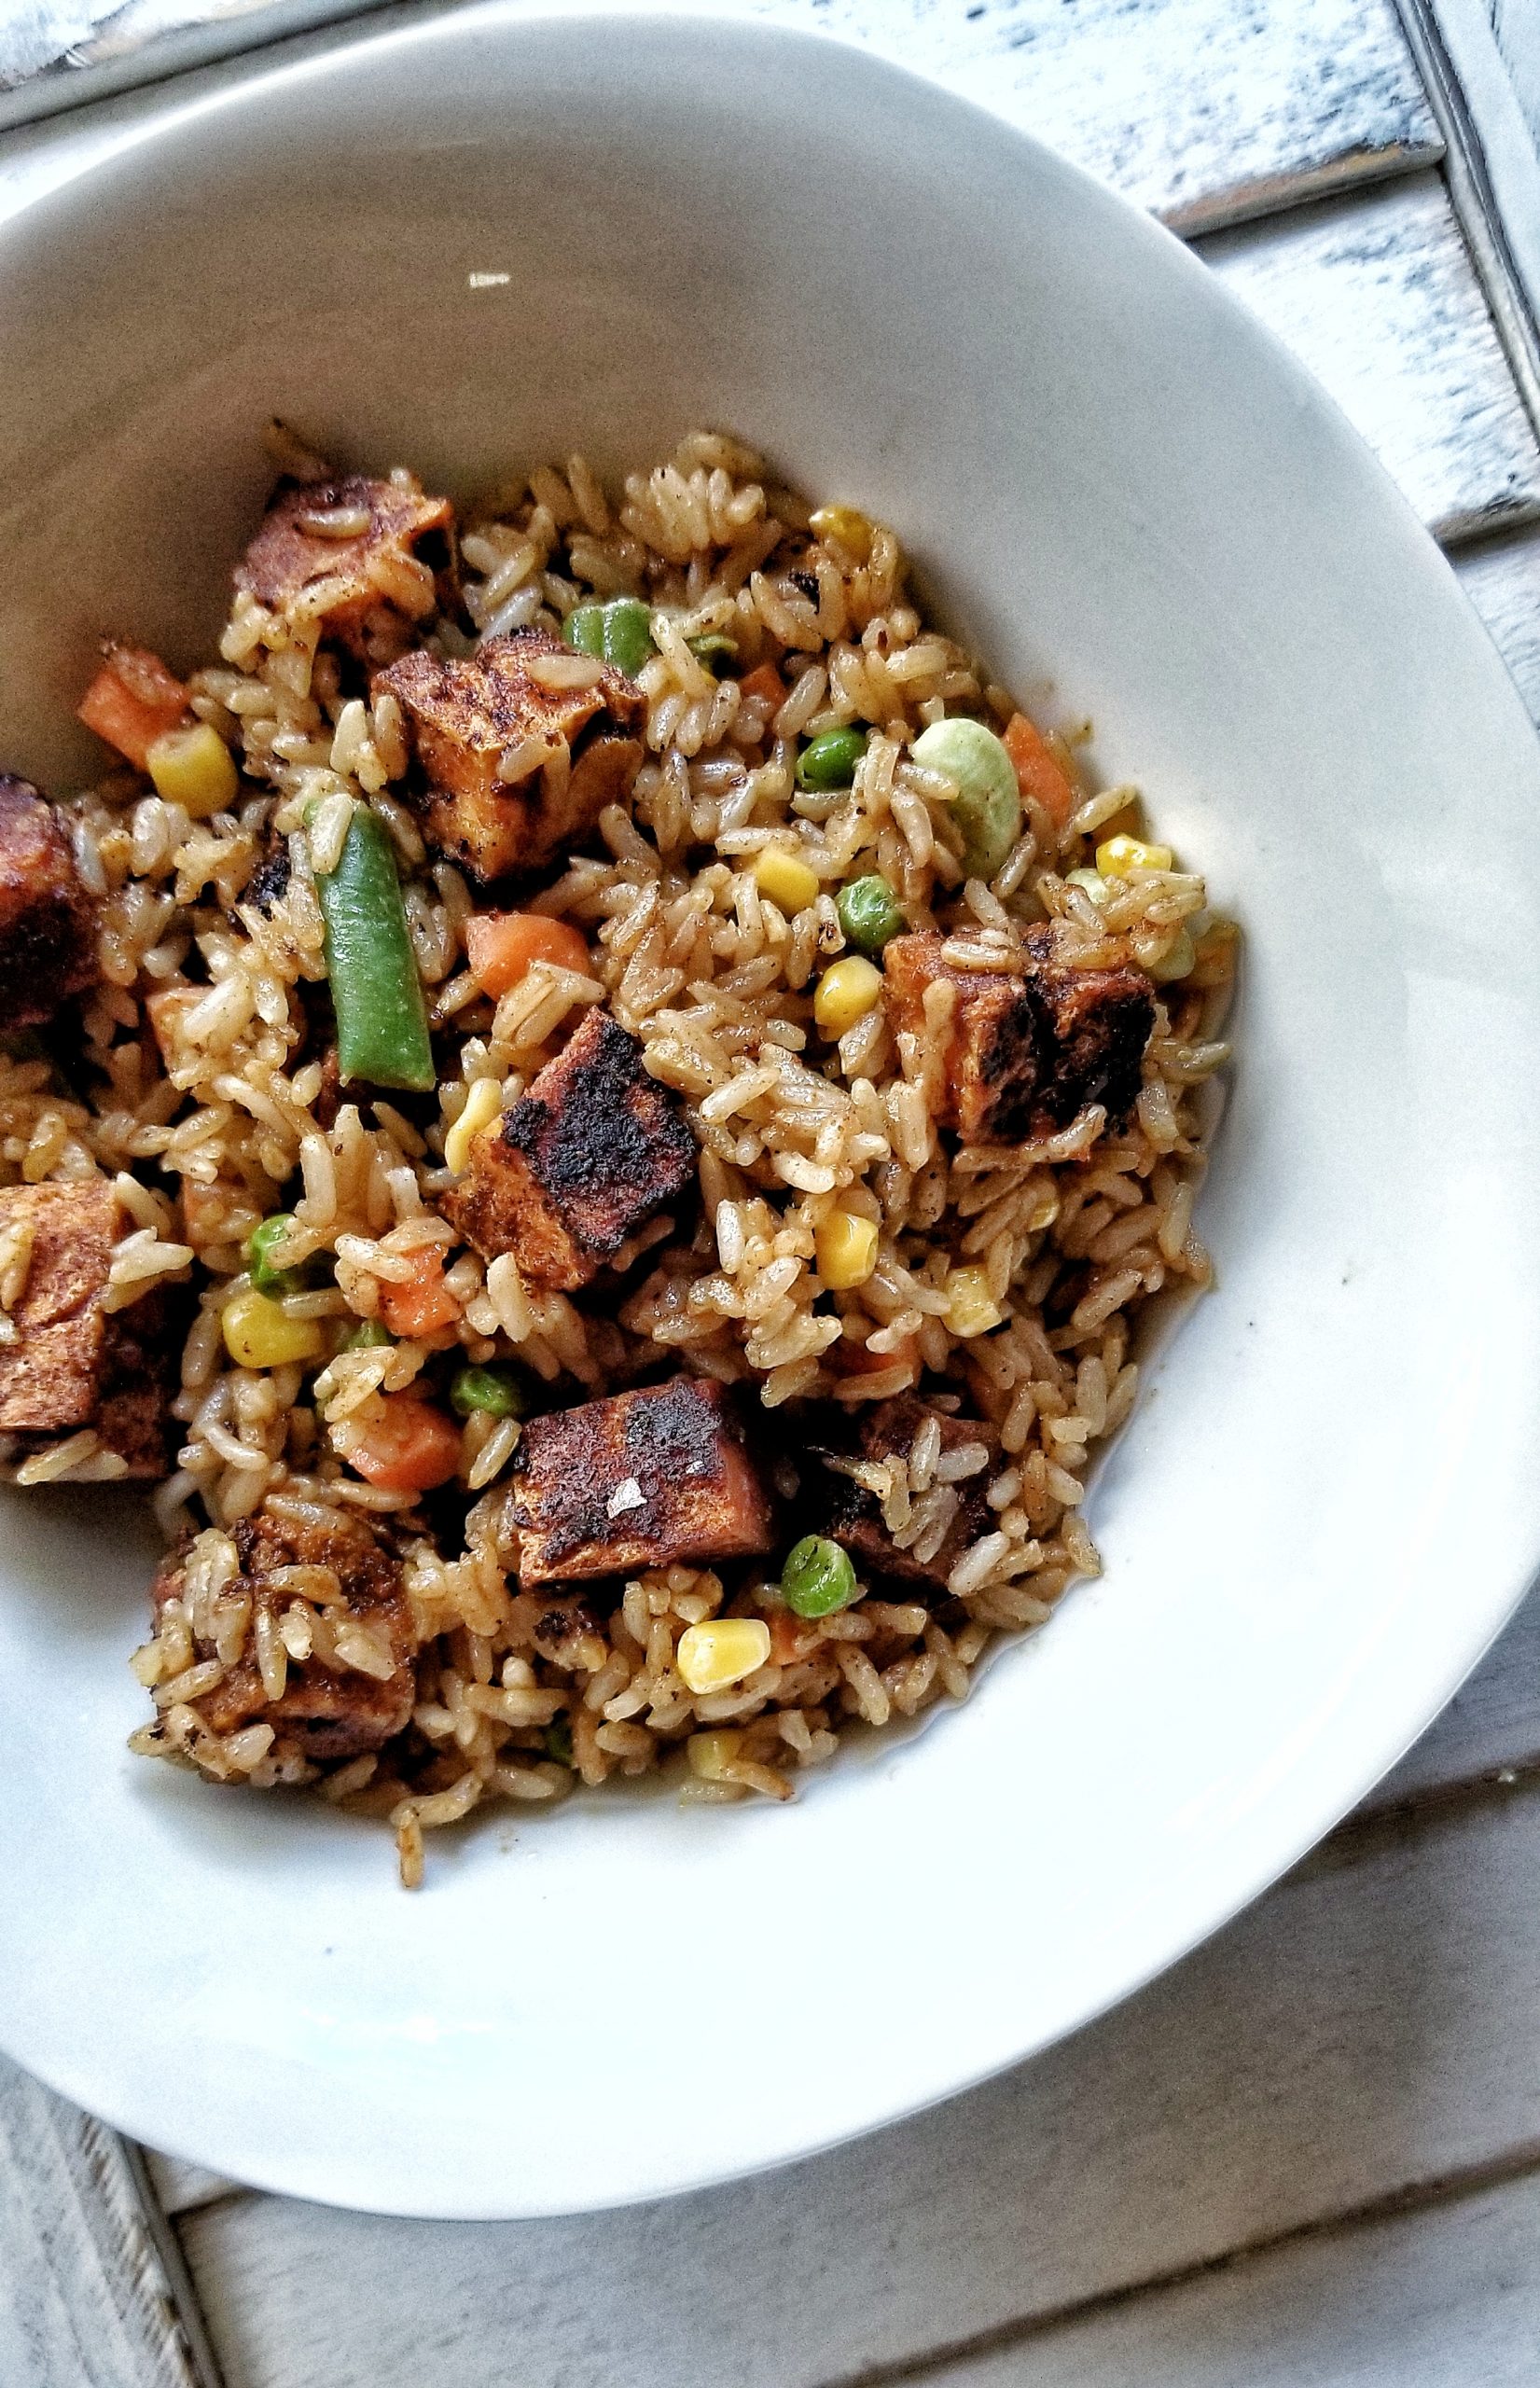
{"x":648,"y":1098}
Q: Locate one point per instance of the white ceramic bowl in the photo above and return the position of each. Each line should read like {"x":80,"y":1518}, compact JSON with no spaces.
{"x":1328,"y":1501}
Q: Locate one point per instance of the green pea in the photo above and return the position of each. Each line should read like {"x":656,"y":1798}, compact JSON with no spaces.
{"x":370,"y":1335}
{"x":818,"y":1577}
{"x":829,"y":759}
{"x":496,"y":1389}
{"x":619,"y":632}
{"x":869,"y":913}
{"x":716,"y":650}
{"x":267,"y":1279}
{"x":557,"y":1738}
{"x":989,"y":800}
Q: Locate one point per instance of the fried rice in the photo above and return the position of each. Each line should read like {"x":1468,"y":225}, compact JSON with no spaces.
{"x":1008,"y":1278}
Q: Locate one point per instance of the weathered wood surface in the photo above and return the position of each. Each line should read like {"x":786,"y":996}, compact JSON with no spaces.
{"x":85,"y":2299}
{"x":1370,"y":2030}
{"x":1447,"y":2296}
{"x":1375,"y":295}
{"x":1502,"y":580}
{"x":1201,"y":109}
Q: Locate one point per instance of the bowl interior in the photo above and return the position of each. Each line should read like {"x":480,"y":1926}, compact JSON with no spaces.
{"x":469,"y":244}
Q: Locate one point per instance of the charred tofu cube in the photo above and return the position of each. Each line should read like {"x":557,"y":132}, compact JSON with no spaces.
{"x":70,"y":1361}
{"x":591,"y":1151}
{"x":566,"y":730}
{"x":639,"y":1481}
{"x":1027,"y":1048}
{"x":48,"y":922}
{"x":364,"y":555}
{"x":854,"y":1514}
{"x":356,"y":1686}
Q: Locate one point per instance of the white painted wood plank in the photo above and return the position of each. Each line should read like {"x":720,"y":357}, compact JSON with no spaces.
{"x":1491,"y":1728}
{"x":1375,"y":295}
{"x":1517,"y":26}
{"x":179,"y":2186}
{"x":1446,"y":2298}
{"x":1372,"y":2026}
{"x":85,"y":2297}
{"x":1202,"y":109}
{"x":1502,"y":580}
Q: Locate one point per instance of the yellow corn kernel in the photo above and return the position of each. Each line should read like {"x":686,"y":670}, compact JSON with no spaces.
{"x":710,"y":1754}
{"x":482,"y":1104}
{"x":784,"y":879}
{"x":847,"y":526}
{"x":971,"y":1308}
{"x":846,"y":993}
{"x":723,"y":1651}
{"x":1117,"y":857}
{"x":260,"y":1334}
{"x":194,"y":769}
{"x":846,"y":1246}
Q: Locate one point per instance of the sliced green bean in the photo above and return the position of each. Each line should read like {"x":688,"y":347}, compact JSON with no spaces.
{"x":381,"y":1018}
{"x":617,"y":632}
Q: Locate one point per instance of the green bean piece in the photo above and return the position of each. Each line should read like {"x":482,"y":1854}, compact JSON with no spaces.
{"x":557,"y":1738}
{"x":267,"y":1277}
{"x":869,"y":913}
{"x":619,"y":632}
{"x":370,"y":1335}
{"x":496,"y":1389}
{"x":381,"y":1019}
{"x":829,"y":759}
{"x":818,"y":1577}
{"x":717,"y":651}
{"x":987,"y":810}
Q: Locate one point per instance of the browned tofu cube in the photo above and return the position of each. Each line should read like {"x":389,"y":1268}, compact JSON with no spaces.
{"x":637,"y":1481}
{"x":48,"y":922}
{"x":588,"y":1155}
{"x":516,"y":705}
{"x":853,"y":1516}
{"x":1028,"y":1049}
{"x":362,"y":553}
{"x":328,"y":1709}
{"x":72,"y":1363}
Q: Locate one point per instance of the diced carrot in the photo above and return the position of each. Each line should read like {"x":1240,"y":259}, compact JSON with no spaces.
{"x":859,"y":1360}
{"x":1038,"y":769}
{"x":132,"y":701}
{"x":410,"y":1448}
{"x":765,"y":683}
{"x":419,"y":1305}
{"x":501,"y":946}
{"x":791,"y":1639}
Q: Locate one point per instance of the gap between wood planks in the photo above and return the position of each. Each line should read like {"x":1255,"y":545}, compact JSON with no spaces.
{"x":1423,"y":2197}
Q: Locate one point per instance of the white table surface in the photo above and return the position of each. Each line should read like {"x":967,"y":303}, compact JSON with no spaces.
{"x":1311,"y":2155}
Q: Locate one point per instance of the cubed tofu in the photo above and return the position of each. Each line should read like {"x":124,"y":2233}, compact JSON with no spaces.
{"x":48,"y":921}
{"x":74,"y":1363}
{"x":464,"y":714}
{"x":326,"y":1711}
{"x":361,"y":553}
{"x":588,"y":1155}
{"x":854,"y":1515}
{"x":639,"y":1481}
{"x":1028,"y":1049}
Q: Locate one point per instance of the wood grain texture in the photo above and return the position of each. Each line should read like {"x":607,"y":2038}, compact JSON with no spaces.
{"x":86,"y":2301}
{"x":1372,"y":2027}
{"x":1502,"y":580}
{"x":1445,"y":2297}
{"x":1375,"y":295}
{"x":1204,"y":111}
